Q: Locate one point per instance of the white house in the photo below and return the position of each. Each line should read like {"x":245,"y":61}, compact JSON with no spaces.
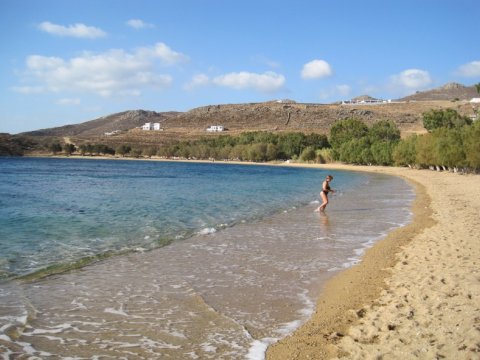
{"x":215,"y":128}
{"x":475,"y":100}
{"x":151,"y":126}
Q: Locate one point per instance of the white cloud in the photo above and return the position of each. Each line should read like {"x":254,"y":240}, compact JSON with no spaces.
{"x":68,"y":101}
{"x":169,"y":56}
{"x":472,"y":69}
{"x":411,"y":79}
{"x":76,"y":30}
{"x":316,"y":69}
{"x":197,"y":81}
{"x":111,"y":72}
{"x":139,"y":24}
{"x":266,"y":82}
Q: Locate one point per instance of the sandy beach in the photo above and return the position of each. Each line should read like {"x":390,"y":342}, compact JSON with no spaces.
{"x":416,"y":294}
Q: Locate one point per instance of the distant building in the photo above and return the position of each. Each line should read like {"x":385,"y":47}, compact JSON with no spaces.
{"x":151,"y":126}
{"x":475,"y":100}
{"x":111,"y":133}
{"x":365,"y":100}
{"x":215,"y":128}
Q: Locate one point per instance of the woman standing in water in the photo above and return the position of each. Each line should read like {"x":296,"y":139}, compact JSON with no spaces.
{"x":324,"y":193}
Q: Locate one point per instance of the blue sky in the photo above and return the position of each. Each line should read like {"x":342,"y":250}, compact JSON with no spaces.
{"x":68,"y":61}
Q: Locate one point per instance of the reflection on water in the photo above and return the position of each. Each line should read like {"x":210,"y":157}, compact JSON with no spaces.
{"x":324,"y":220}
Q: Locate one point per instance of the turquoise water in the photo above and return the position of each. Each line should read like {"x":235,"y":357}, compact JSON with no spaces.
{"x":236,"y":254}
{"x":60,"y":210}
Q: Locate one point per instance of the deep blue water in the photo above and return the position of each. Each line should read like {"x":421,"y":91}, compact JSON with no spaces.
{"x":61,"y":210}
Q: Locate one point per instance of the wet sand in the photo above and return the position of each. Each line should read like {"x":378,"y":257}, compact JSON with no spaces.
{"x":416,"y":294}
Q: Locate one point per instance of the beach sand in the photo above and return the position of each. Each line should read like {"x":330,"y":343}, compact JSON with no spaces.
{"x":416,"y":294}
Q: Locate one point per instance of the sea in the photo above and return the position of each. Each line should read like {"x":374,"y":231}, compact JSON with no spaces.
{"x":122,"y":259}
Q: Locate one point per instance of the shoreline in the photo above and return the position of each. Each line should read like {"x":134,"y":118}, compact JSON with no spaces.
{"x":390,"y":304}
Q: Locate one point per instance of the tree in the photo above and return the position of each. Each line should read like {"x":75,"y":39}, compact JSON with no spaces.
{"x":308,"y":154}
{"x":382,"y":152}
{"x":272,"y":152}
{"x":356,"y":151}
{"x":425,"y":148}
{"x":136,"y":153}
{"x":346,"y":130}
{"x":472,"y":145}
{"x":384,"y":130}
{"x":291,"y":144}
{"x":55,"y":148}
{"x":405,"y":152}
{"x":477,"y":86}
{"x":123,"y":150}
{"x":324,"y":156}
{"x":449,"y":118}
{"x":449,"y":147}
{"x":69,"y":149}
{"x":318,"y":141}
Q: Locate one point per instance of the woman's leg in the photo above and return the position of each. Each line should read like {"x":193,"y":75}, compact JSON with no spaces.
{"x":325,"y":201}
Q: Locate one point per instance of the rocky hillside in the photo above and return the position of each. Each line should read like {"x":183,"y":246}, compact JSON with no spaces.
{"x":451,"y":91}
{"x":120,"y":121}
{"x":273,"y":116}
{"x":284,"y":115}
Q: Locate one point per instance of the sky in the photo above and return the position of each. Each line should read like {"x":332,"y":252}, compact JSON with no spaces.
{"x":69,"y":61}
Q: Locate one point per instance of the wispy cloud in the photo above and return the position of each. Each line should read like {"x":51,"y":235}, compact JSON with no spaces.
{"x":198,"y":80}
{"x":139,"y":24}
{"x":316,"y":69}
{"x":112,"y":72}
{"x":68,"y":101}
{"x":471,"y":69}
{"x":267,"y":82}
{"x":28,"y":90}
{"x":76,"y":30}
{"x":410,"y":79}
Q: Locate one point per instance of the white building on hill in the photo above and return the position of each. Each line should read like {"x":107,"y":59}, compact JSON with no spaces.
{"x":151,"y":126}
{"x":215,"y":128}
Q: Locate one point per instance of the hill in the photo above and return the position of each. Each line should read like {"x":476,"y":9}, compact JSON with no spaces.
{"x":267,"y":116}
{"x":120,"y":121}
{"x":450,"y":91}
{"x":273,"y":116}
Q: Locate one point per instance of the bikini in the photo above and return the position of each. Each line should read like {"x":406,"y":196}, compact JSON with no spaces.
{"x":327,"y":189}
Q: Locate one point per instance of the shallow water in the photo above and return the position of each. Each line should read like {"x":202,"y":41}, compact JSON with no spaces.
{"x":222,"y":293}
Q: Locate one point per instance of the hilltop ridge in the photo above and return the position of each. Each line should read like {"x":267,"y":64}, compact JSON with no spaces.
{"x":450,"y":91}
{"x":122,"y":121}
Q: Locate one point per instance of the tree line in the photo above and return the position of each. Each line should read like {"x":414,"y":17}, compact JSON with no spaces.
{"x":452,"y":142}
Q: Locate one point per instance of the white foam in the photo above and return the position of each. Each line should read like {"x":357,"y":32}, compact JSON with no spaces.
{"x":115,"y":311}
{"x":207,"y":231}
{"x":207,"y":347}
{"x":55,"y":330}
{"x":258,"y":348}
